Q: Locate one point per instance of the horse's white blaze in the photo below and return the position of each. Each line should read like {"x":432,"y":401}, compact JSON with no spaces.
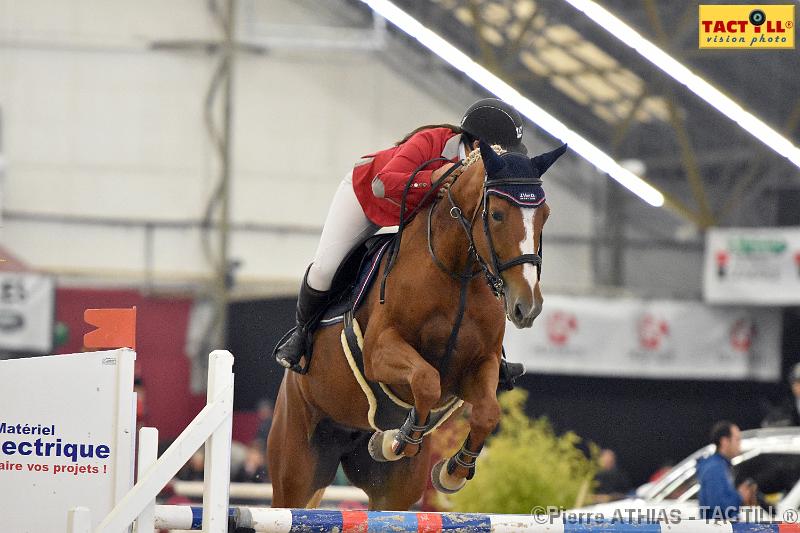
{"x":528,"y":246}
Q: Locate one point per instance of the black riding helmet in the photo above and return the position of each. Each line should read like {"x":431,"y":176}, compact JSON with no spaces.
{"x":495,"y":122}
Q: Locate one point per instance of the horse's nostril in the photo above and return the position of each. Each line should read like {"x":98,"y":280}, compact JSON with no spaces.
{"x":518,"y":312}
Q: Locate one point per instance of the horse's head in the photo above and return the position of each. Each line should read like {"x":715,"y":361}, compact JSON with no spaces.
{"x":514,"y":212}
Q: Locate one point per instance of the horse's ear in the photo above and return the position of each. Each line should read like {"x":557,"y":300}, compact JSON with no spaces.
{"x":491,"y":161}
{"x":543,"y":162}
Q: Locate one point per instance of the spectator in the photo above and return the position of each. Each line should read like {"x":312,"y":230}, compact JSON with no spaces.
{"x":718,"y":498}
{"x":612,"y":483}
{"x":665,"y":467}
{"x":141,"y":403}
{"x":254,"y":468}
{"x":264,"y":412}
{"x":193,"y":469}
{"x":788,"y":413}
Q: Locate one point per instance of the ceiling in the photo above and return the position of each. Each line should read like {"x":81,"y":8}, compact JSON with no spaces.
{"x":711,"y":170}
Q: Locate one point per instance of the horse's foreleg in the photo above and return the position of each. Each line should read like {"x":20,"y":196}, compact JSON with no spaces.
{"x":391,"y":360}
{"x":480,"y":390}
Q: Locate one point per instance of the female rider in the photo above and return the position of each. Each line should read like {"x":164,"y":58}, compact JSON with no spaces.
{"x":368,"y":198}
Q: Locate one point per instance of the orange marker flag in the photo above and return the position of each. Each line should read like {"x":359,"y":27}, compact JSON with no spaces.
{"x":116,"y":328}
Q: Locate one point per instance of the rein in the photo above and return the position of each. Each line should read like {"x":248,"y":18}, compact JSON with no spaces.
{"x":454,"y":212}
{"x":494,"y":279}
{"x":493,"y":274}
{"x":404,"y":219}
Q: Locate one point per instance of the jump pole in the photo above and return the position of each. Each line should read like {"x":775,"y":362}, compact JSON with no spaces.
{"x":266,"y":520}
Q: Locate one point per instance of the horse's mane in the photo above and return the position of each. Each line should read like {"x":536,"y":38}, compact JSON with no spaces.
{"x":475,"y":155}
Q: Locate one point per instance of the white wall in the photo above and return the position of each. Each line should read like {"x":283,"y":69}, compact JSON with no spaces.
{"x":98,"y":125}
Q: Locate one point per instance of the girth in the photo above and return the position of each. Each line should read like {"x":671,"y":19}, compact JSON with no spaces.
{"x":386,"y":410}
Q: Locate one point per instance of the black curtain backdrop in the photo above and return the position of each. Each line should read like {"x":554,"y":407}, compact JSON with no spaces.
{"x":646,"y":422}
{"x":254,"y":327}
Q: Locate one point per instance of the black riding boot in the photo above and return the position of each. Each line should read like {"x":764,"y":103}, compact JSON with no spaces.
{"x":292,"y":347}
{"x":509,"y":372}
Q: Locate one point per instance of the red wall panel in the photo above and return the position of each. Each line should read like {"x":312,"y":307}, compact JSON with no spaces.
{"x":161,"y":360}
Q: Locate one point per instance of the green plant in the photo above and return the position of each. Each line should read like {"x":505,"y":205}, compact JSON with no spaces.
{"x":526,"y":465}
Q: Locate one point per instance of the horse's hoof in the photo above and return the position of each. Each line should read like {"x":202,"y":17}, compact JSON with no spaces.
{"x":444,"y":482}
{"x":380,"y":446}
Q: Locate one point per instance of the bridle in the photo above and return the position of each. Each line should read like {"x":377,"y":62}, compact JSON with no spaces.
{"x":492,"y":273}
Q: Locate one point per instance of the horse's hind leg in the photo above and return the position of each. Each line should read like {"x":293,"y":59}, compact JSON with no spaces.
{"x":480,"y":390}
{"x":316,"y":499}
{"x":391,"y":486}
{"x":390,"y":359}
{"x":296,"y":468}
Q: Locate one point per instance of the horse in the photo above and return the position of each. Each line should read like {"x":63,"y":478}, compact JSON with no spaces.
{"x":432,"y":341}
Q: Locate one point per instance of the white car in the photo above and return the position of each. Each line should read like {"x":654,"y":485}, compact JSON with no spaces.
{"x":771,"y":457}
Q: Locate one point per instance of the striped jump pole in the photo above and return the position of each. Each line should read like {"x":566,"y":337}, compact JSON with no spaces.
{"x":261,"y":519}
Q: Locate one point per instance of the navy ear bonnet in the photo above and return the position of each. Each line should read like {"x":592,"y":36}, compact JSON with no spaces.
{"x":515,"y":177}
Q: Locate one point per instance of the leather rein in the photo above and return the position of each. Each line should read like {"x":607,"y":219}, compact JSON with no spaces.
{"x":493,"y":274}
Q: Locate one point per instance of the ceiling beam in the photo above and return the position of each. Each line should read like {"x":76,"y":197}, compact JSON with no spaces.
{"x":688,"y":156}
{"x":743,"y":184}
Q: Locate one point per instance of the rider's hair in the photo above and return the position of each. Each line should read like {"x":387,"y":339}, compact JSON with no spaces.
{"x":455,"y":129}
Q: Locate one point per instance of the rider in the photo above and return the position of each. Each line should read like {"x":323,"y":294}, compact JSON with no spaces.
{"x":369,"y":196}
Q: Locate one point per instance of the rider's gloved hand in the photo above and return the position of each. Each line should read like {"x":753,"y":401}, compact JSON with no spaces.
{"x":439,"y":172}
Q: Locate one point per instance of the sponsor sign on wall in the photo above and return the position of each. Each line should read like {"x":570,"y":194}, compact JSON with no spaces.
{"x":26,"y":312}
{"x":752,"y":266}
{"x":650,"y":339}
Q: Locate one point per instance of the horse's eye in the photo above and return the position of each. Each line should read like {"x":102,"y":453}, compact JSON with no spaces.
{"x":497,"y":215}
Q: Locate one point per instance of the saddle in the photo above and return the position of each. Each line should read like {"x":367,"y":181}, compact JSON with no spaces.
{"x":353,"y":279}
{"x":349,"y":288}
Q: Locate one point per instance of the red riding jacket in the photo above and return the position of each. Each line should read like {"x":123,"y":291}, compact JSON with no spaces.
{"x":379,"y":178}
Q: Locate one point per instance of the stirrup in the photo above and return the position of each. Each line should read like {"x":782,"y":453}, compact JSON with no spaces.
{"x":509,"y":372}
{"x":285,"y":362}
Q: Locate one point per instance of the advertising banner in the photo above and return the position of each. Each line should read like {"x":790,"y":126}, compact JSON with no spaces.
{"x":649,"y":339}
{"x":66,"y":437}
{"x":27,"y":310}
{"x":754,"y":266}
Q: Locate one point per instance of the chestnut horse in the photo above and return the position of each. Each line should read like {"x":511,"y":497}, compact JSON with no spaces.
{"x":487,"y":227}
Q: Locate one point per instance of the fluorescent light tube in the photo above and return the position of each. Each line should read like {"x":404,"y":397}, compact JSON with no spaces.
{"x":715,"y":98}
{"x":504,"y":91}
